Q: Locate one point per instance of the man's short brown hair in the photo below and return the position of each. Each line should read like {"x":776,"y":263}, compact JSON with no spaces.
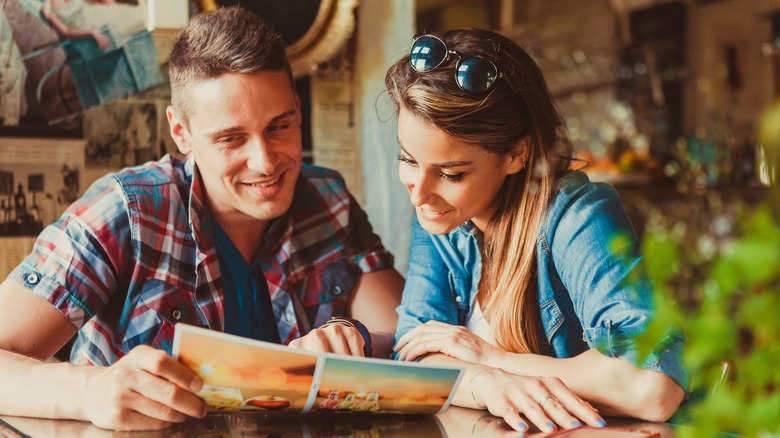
{"x":222,"y":41}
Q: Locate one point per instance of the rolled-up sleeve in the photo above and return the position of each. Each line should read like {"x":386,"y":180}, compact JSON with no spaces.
{"x":598,"y":258}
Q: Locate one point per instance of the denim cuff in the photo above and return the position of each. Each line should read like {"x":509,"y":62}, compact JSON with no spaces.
{"x":666,"y":357}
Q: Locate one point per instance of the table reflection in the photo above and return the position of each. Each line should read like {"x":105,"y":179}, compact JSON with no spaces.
{"x":455,"y":422}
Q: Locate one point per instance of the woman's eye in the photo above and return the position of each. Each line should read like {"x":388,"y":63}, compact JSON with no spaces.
{"x":406,"y":160}
{"x":457,"y":177}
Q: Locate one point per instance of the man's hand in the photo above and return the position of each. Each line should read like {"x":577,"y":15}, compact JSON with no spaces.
{"x":146,"y":389}
{"x":333,"y":338}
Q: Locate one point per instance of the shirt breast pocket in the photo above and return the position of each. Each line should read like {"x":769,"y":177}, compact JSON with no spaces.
{"x":327,"y":291}
{"x":152,"y":321}
{"x":149,"y":328}
{"x":552,"y":318}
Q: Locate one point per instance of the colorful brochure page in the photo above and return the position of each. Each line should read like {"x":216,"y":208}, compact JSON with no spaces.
{"x":242,"y":374}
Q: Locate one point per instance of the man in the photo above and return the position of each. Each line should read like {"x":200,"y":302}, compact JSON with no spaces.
{"x":240,"y":237}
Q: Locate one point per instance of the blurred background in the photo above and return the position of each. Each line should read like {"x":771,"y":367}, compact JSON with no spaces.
{"x":659,"y":96}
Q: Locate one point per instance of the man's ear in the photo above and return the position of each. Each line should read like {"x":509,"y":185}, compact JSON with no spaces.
{"x":177,"y":130}
{"x":518,"y":157}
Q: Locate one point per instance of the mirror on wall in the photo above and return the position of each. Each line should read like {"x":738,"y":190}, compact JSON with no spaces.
{"x":313,"y":30}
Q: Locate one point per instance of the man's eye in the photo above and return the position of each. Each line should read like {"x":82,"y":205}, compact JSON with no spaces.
{"x":276,"y":128}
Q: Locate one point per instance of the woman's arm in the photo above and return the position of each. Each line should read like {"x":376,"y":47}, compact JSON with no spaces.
{"x":597,"y":256}
{"x":613,"y":385}
{"x":545,"y":401}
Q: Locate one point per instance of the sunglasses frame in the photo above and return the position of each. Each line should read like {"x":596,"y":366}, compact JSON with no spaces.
{"x":448,"y":54}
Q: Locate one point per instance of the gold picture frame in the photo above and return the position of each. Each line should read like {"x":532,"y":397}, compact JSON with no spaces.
{"x":332,"y":26}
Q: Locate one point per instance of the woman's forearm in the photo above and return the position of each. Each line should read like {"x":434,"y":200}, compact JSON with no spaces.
{"x":613,"y":385}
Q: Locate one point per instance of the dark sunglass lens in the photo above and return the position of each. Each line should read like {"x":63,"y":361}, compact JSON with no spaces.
{"x":427,"y":53}
{"x":476,"y":74}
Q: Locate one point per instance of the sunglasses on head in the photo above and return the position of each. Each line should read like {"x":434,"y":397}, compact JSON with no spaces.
{"x":474,"y":74}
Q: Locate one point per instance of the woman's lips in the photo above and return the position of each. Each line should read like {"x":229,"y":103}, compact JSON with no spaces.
{"x":432,"y":215}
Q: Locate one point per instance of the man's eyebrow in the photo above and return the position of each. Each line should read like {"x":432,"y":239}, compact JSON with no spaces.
{"x":234,"y":129}
{"x":446,"y":165}
{"x":283,"y":116}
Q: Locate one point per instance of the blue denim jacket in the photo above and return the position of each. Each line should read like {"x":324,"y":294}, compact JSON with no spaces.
{"x":585,"y":302}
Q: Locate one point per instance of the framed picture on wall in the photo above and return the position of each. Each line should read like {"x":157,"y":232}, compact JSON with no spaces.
{"x":313,"y":30}
{"x":39,"y":179}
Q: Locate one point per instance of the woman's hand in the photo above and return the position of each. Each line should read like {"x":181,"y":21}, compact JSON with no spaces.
{"x":453,"y":340}
{"x":544,"y":401}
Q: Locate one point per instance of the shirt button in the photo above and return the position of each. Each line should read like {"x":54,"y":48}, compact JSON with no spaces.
{"x":33,"y":278}
{"x":458,"y":299}
{"x":176,"y":314}
{"x":336,"y":290}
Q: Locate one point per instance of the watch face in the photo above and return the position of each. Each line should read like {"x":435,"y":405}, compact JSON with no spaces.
{"x":291,"y":18}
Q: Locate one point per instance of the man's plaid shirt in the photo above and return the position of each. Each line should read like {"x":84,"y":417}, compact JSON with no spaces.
{"x":136,"y":254}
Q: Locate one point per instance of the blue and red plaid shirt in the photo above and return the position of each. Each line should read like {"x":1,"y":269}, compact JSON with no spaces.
{"x":136,"y":254}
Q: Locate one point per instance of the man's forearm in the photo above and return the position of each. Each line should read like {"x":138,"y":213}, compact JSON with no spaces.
{"x":382,"y":344}
{"x":33,"y":388}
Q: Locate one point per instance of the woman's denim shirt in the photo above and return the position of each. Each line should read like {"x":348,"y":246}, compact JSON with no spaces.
{"x":586,"y":253}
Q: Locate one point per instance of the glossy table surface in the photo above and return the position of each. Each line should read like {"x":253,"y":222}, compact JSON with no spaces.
{"x":454,"y":422}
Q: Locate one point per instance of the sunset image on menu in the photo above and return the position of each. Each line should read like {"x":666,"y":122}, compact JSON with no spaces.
{"x":242,"y":374}
{"x":238,"y":375}
{"x":382,"y":388}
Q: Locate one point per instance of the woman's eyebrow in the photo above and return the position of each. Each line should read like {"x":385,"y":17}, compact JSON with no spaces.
{"x":445,"y":165}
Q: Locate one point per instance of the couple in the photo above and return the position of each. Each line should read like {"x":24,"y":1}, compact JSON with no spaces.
{"x":511,"y":272}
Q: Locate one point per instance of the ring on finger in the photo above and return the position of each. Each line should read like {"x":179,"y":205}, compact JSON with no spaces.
{"x":545,"y":399}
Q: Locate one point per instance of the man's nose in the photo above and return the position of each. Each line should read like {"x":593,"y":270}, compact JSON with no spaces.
{"x":261,"y":156}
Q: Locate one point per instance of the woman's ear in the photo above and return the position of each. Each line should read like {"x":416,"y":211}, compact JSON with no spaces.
{"x":518,"y":156}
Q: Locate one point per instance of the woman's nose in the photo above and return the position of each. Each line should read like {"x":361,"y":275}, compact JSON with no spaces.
{"x":420,"y":189}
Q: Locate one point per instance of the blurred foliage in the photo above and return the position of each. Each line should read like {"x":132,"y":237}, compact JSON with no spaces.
{"x":715,"y":268}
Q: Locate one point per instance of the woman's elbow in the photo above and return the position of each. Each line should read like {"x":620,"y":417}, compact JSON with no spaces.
{"x":660,"y":397}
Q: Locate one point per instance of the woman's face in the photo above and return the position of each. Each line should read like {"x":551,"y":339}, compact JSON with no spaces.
{"x":449,"y":182}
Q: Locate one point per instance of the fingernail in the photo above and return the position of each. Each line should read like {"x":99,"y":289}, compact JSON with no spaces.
{"x":551,"y":426}
{"x":576,"y":424}
{"x":522,"y":426}
{"x":196,"y":385}
{"x":601,"y":423}
{"x":205,"y":411}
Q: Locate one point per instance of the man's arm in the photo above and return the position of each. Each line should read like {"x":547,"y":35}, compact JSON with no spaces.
{"x":372,"y":302}
{"x":146,"y":389}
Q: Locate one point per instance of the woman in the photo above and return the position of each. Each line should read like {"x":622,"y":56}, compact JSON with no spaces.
{"x":518,"y":266}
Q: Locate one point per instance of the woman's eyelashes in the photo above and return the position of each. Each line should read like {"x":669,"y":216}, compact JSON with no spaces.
{"x":452,"y":177}
{"x":405,"y":159}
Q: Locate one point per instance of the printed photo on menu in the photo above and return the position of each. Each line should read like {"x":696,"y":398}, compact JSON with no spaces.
{"x":242,"y":374}
{"x":239,"y":374}
{"x":350,"y":384}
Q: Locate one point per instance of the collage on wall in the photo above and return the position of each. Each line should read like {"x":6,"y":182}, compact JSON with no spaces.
{"x":73,"y":107}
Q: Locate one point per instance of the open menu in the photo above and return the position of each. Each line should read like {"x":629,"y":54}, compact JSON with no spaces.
{"x":242,"y":374}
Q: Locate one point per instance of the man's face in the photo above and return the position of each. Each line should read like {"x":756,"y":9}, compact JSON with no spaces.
{"x":244,"y":132}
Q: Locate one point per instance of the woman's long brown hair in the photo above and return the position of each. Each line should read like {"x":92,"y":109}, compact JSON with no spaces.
{"x":517,"y":108}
